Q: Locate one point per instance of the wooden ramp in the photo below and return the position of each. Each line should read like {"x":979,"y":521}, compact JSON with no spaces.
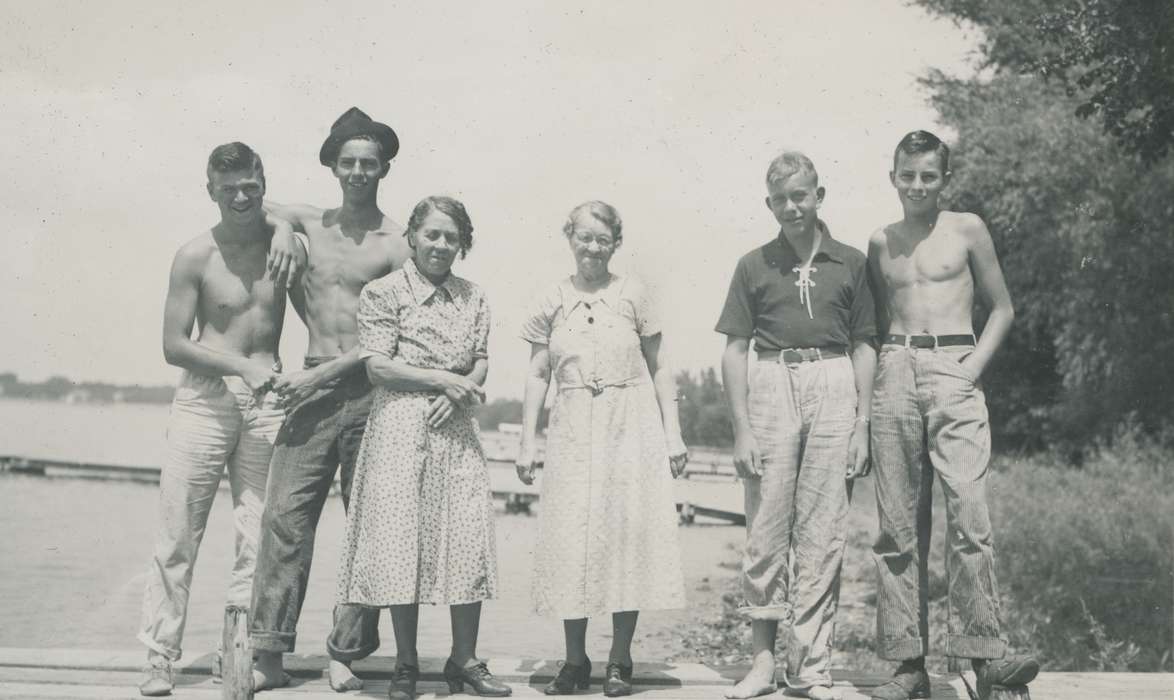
{"x":74,"y":673}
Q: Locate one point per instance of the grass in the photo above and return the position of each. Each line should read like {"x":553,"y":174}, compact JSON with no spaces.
{"x":1085,"y":562}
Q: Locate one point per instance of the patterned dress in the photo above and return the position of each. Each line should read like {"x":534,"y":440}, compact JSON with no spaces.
{"x":607,"y":522}
{"x":420,"y":525}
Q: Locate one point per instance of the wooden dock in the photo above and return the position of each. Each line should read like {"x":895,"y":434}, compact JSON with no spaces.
{"x":704,"y":492}
{"x":83,"y":673}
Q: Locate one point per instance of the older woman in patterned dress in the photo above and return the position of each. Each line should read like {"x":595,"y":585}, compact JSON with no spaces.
{"x":420,"y":526}
{"x":607,"y":539}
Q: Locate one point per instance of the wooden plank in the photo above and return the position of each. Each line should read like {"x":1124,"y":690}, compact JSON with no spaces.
{"x":237,"y":668}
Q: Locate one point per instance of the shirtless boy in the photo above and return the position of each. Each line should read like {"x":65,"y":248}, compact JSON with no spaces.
{"x":929,"y":417}
{"x":224,"y":412}
{"x":328,"y":401}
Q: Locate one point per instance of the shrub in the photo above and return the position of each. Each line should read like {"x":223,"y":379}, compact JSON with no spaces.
{"x":1085,"y":556}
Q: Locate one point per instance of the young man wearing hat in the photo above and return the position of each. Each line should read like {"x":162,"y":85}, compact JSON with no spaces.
{"x":930,"y":419}
{"x":800,"y":414}
{"x":328,"y":401}
{"x":225,"y":415}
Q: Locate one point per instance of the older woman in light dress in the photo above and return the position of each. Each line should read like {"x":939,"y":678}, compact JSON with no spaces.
{"x":607,"y":541}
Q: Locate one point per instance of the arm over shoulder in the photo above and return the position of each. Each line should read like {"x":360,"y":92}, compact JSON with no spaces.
{"x":297,"y":214}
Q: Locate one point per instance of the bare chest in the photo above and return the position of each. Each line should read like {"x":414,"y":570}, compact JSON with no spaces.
{"x":233,"y":287}
{"x":940,"y":257}
{"x":337,"y":260}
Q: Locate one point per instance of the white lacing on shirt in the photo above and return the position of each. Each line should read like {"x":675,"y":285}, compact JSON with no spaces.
{"x":805,"y":283}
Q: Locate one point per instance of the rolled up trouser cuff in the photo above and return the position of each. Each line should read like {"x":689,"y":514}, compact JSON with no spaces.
{"x":350,"y":654}
{"x":902,"y":649}
{"x":172,"y":655}
{"x":777,"y":613}
{"x":975,"y":647}
{"x":272,"y":641}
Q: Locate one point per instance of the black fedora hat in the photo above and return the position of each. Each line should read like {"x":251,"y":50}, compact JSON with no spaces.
{"x":355,"y":122}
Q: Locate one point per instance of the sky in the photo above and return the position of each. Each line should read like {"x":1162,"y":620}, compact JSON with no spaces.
{"x":522,"y":109}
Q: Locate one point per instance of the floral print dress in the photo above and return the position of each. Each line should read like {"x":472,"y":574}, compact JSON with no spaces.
{"x":420,"y":523}
{"x":607,"y":520}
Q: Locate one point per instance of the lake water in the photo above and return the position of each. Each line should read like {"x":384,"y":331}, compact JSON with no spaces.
{"x":73,"y":553}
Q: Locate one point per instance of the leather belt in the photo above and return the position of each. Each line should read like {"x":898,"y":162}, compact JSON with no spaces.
{"x":929,"y":341}
{"x":793,"y":355}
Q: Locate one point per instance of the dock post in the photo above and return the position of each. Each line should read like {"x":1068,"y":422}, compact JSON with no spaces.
{"x":237,"y":667}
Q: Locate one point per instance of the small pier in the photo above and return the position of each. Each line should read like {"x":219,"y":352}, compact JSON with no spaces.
{"x":707,"y":490}
{"x":87,"y":673}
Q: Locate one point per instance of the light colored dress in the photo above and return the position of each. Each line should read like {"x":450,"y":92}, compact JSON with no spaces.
{"x":607,"y":522}
{"x":420,"y":523}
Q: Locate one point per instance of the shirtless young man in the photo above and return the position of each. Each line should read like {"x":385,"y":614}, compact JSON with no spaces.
{"x":224,"y":412}
{"x":929,"y":416}
{"x":328,"y":401}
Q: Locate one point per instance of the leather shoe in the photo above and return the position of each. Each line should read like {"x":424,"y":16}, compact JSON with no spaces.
{"x":570,"y":677}
{"x":1004,"y":672}
{"x":617,"y":680}
{"x":909,"y":681}
{"x":477,"y":677}
{"x":403,"y":682}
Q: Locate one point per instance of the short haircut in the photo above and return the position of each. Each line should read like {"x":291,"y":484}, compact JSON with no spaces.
{"x":449,"y":207}
{"x":787,"y":164}
{"x":600,"y":211}
{"x":918,"y":142}
{"x":233,"y":157}
{"x":383,"y":159}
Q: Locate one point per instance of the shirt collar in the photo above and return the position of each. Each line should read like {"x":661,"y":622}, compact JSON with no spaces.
{"x":573,"y":297}
{"x":423,"y":289}
{"x":829,"y":248}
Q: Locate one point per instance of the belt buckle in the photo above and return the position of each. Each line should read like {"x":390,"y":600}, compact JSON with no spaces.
{"x":930,"y":342}
{"x":595,"y":386}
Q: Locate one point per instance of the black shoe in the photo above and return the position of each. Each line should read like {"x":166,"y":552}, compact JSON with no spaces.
{"x":618,"y":680}
{"x":570,"y":677}
{"x":909,"y":681}
{"x":403,"y":682}
{"x":477,"y":677}
{"x":1005,"y":672}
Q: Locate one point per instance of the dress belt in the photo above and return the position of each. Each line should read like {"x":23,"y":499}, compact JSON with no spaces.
{"x":929,"y":341}
{"x":596,"y":386}
{"x":793,"y":355}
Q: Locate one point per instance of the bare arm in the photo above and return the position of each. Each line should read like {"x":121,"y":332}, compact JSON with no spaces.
{"x":296,"y":387}
{"x":179,"y":317}
{"x":400,"y":376}
{"x":655,"y":355}
{"x":992,"y":289}
{"x":537,"y":384}
{"x":734,"y":376}
{"x":876,"y":283}
{"x":298,"y":215}
{"x":864,"y":370}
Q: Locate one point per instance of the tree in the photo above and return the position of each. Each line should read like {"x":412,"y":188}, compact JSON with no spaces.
{"x":702,"y":408}
{"x":1083,"y":232}
{"x":1115,"y":57}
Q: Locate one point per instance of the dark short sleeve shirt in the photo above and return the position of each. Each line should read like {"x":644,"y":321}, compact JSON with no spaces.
{"x":764,"y":302}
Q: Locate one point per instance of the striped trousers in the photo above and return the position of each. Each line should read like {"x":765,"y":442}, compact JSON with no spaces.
{"x":929,"y":418}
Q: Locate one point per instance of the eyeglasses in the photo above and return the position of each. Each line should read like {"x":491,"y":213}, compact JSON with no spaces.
{"x":584,"y":238}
